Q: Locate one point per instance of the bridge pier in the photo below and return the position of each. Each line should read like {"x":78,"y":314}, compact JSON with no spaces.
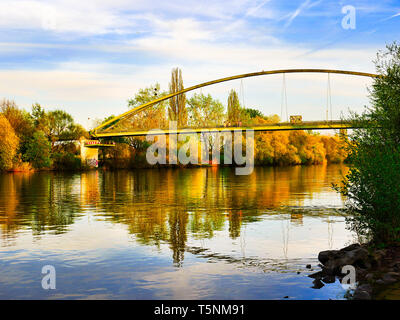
{"x":89,"y":156}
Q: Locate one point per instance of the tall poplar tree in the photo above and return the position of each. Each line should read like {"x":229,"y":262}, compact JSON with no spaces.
{"x":177,"y":105}
{"x":233,"y":107}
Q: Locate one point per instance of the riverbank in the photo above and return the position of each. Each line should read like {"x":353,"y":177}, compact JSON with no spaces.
{"x":115,"y":165}
{"x":376,"y":269}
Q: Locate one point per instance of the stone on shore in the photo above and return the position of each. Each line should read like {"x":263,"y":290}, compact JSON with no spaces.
{"x":375,"y":268}
{"x":354,"y":255}
{"x":361,"y":295}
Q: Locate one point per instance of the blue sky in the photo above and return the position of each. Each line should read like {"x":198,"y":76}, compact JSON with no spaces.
{"x":88,"y":57}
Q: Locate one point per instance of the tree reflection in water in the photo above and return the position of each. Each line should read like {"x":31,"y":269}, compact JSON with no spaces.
{"x":162,"y":206}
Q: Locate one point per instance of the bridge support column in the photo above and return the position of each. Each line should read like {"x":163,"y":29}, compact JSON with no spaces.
{"x":89,"y":156}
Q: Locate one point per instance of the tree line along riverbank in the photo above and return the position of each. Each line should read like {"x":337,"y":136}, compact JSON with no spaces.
{"x":44,"y":139}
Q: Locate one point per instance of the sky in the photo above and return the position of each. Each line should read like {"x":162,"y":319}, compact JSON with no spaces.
{"x":89,"y":57}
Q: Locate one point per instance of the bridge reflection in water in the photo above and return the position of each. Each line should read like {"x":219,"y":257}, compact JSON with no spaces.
{"x":175,"y":207}
{"x":170,"y":233}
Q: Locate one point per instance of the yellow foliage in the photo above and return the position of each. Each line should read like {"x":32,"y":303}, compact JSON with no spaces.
{"x":334,"y":146}
{"x":9,"y":144}
{"x":297,"y":147}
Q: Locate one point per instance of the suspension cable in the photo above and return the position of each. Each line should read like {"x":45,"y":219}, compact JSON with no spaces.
{"x":284,"y":98}
{"x":242,"y":92}
{"x":329,"y":99}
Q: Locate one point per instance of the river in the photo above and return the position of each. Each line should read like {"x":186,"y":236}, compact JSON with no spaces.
{"x":198,"y":233}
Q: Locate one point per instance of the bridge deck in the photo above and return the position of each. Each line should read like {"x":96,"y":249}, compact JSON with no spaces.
{"x":305,"y":125}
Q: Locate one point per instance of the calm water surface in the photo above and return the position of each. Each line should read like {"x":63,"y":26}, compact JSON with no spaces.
{"x":170,"y":233}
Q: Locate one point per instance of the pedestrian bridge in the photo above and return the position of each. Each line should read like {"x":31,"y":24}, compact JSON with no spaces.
{"x":281,"y":126}
{"x":112,"y":128}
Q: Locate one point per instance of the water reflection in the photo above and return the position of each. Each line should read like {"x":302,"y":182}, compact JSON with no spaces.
{"x":37,"y":201}
{"x":161,"y":205}
{"x":206,"y":213}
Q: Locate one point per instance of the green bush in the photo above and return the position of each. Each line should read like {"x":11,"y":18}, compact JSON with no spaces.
{"x":66,"y":161}
{"x":38,"y":150}
{"x":372,"y":185}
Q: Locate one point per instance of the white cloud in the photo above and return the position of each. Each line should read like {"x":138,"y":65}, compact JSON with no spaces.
{"x":83,"y":17}
{"x":395,"y":15}
{"x":296,"y":13}
{"x":99,"y":17}
{"x":216,"y":42}
{"x":98,"y":90}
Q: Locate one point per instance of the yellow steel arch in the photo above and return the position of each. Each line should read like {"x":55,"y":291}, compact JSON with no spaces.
{"x":114,"y":120}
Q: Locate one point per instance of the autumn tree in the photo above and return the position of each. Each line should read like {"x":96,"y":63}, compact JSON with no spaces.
{"x":9,"y":144}
{"x":177,"y":105}
{"x":19,"y":119}
{"x":335,"y":148}
{"x":21,"y":122}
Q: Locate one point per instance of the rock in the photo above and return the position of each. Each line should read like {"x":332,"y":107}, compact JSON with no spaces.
{"x":361,"y":273}
{"x":396,"y":266}
{"x":374,"y":268}
{"x":308,"y":266}
{"x":285,"y":297}
{"x":317,"y":284}
{"x":357,"y":257}
{"x":354,"y":255}
{"x":325,"y":256}
{"x":365,"y":287}
{"x":369,"y":276}
{"x":393,"y":274}
{"x":388,"y":279}
{"x":329,"y":279}
{"x":361,"y":295}
{"x":351,"y":247}
{"x":377,"y":257}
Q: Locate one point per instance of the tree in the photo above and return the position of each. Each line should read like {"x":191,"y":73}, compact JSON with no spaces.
{"x":334,"y":146}
{"x":40,"y":118}
{"x":61,"y":125}
{"x":21,"y":122}
{"x":153,"y":117}
{"x":204,"y":111}
{"x":177,"y":105}
{"x":9,"y":144}
{"x":39,"y":151}
{"x":75,"y":131}
{"x":233,"y":108}
{"x":253,"y":113}
{"x":372,"y":185}
{"x":56,"y":125}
